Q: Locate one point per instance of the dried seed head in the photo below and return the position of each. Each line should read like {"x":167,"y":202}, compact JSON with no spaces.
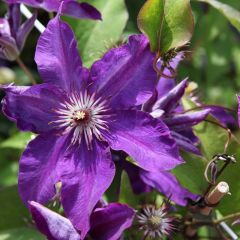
{"x":156,"y":222}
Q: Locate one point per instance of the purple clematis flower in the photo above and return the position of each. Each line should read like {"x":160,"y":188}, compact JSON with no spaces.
{"x":79,"y":115}
{"x":70,"y":7}
{"x":165,"y":104}
{"x":107,"y":223}
{"x":168,"y":108}
{"x":12,"y":34}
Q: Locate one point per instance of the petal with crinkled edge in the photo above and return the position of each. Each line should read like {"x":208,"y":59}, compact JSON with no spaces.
{"x":51,"y":224}
{"x":32,"y":108}
{"x":147,"y":140}
{"x":125,"y":74}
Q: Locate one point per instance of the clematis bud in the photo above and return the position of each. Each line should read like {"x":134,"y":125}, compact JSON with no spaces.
{"x":8,"y":46}
{"x":12,"y":34}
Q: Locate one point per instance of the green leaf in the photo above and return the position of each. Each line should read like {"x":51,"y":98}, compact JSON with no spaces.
{"x":212,"y":137}
{"x":17,"y":141}
{"x":230,"y":203}
{"x":95,"y":37}
{"x":229,"y":12}
{"x":13,"y":212}
{"x":21,"y":234}
{"x":8,"y":174}
{"x":191,"y":174}
{"x":167,"y":23}
{"x":126,"y":194}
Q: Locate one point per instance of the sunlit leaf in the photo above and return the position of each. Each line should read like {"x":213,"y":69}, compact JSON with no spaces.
{"x":167,"y":23}
{"x":18,"y":141}
{"x":21,"y":234}
{"x":229,"y":12}
{"x":95,"y":37}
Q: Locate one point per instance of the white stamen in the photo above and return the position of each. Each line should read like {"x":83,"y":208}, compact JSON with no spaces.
{"x":85,"y":115}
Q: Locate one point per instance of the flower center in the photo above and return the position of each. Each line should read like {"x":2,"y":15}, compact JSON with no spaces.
{"x":81,"y":116}
{"x":154,"y":222}
{"x":85,"y":116}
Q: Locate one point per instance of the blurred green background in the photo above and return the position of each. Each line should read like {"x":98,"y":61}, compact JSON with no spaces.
{"x":213,"y":63}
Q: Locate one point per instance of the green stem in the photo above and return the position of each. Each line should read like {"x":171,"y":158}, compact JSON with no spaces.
{"x":228,"y":217}
{"x":26,"y":71}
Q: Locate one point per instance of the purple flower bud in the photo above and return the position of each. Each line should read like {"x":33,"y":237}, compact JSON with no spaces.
{"x":12,"y":34}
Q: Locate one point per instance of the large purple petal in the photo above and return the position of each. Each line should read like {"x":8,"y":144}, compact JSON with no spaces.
{"x":126,"y":73}
{"x":38,"y":168}
{"x":51,"y":224}
{"x":145,"y":139}
{"x":32,"y":108}
{"x":167,"y":184}
{"x":57,"y":57}
{"x":109,"y":223}
{"x":70,"y":7}
{"x":171,"y":99}
{"x":80,"y":10}
{"x":85,"y":177}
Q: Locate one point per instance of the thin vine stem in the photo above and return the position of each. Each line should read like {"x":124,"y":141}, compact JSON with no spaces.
{"x":228,"y":217}
{"x":205,"y":106}
{"x":26,"y":71}
{"x":227,"y":129}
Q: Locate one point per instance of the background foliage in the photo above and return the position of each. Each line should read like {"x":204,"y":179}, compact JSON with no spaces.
{"x":213,"y":62}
